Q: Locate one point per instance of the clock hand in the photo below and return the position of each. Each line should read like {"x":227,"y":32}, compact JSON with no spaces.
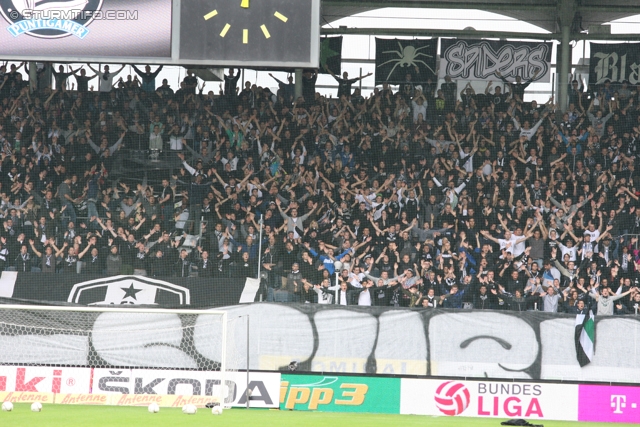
{"x":245,"y":4}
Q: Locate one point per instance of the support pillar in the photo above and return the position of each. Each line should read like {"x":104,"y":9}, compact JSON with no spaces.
{"x":563,"y":73}
{"x":298,"y":92}
{"x":33,"y":77}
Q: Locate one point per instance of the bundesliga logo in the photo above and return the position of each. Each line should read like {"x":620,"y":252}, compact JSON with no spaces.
{"x":452,"y":398}
{"x":50,"y":18}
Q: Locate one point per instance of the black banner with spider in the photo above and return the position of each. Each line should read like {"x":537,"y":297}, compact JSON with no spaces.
{"x":406,"y":61}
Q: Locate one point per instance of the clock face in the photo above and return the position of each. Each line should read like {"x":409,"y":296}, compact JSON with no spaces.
{"x":251,"y":32}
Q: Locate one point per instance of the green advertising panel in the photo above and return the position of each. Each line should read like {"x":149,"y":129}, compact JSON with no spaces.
{"x":340,"y":394}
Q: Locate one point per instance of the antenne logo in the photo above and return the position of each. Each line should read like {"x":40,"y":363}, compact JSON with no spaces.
{"x":452,"y":398}
{"x":49,"y":18}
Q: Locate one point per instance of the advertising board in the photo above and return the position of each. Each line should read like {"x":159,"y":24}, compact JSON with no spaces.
{"x":609,"y":404}
{"x":36,"y":379}
{"x":264,"y":386}
{"x":538,"y":401}
{"x":330,"y":393}
{"x":134,"y":387}
{"x":340,"y":393}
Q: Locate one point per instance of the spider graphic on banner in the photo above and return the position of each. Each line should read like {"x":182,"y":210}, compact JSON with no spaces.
{"x":407,"y":57}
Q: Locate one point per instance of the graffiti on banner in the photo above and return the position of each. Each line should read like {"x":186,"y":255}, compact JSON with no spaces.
{"x":488,"y":60}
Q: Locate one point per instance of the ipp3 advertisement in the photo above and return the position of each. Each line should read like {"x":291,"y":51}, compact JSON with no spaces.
{"x":88,"y":28}
{"x":333,"y":393}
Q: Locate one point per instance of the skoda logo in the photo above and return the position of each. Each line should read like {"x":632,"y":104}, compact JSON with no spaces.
{"x":49,"y":18}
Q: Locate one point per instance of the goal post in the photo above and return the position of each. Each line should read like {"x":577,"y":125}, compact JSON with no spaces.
{"x":193,"y":344}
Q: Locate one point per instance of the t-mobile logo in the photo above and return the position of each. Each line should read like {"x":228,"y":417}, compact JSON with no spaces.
{"x":618,"y":401}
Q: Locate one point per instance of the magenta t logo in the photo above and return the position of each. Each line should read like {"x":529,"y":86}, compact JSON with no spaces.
{"x":618,"y":401}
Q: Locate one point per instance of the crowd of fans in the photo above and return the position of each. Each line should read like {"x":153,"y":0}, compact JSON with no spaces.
{"x":432,"y":196}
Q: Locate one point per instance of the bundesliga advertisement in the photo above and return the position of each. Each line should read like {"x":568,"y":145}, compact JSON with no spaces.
{"x":533,"y":401}
{"x":44,"y":29}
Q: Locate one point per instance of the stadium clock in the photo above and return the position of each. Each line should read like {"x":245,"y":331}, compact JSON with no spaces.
{"x":246,"y":4}
{"x":256,"y":32}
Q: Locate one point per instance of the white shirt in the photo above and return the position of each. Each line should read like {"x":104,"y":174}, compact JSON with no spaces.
{"x":343,"y":297}
{"x":155,"y":141}
{"x":364,"y":298}
{"x":503,"y":245}
{"x":514,"y":249}
{"x":106,"y":82}
{"x":325,"y":297}
{"x":419,"y":109}
{"x":572,"y":251}
{"x":520,"y":247}
{"x":594,"y":235}
{"x":251,"y":186}
{"x":356,"y":279}
{"x":367,"y":200}
{"x":233,"y":162}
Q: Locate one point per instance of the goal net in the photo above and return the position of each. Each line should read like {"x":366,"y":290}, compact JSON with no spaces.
{"x":125,"y":350}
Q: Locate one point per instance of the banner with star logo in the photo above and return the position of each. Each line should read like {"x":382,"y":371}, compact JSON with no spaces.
{"x":396,"y":58}
{"x":127,"y":290}
{"x":331,"y":55}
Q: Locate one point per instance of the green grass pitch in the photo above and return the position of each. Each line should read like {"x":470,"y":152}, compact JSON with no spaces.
{"x":118,"y":416}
